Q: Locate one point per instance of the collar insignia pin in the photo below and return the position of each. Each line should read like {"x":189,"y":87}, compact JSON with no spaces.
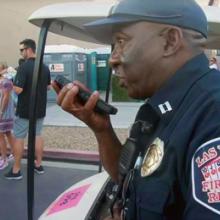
{"x":165,"y":107}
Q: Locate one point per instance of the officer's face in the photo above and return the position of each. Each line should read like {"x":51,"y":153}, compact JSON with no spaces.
{"x":136,"y":58}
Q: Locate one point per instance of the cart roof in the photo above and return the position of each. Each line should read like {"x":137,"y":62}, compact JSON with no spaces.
{"x":68,"y":19}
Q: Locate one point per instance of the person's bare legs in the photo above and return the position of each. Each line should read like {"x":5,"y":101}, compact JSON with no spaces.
{"x":11,"y":140}
{"x":3,"y":146}
{"x":39,"y":147}
{"x":18,"y":154}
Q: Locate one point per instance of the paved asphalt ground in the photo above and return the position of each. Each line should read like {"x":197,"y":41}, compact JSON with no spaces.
{"x":57,"y":178}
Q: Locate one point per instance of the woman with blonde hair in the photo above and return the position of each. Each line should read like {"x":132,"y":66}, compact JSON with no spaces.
{"x":6,"y":116}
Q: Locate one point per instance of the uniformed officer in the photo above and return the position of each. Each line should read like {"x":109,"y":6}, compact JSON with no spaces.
{"x":159,"y":56}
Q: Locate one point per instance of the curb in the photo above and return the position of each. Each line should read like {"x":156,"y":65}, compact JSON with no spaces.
{"x":88,"y":157}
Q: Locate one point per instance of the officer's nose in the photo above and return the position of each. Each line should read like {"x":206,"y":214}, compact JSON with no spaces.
{"x":114,"y":59}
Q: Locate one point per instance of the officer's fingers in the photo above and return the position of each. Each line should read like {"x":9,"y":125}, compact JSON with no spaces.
{"x":55,"y":87}
{"x":64,"y":98}
{"x":82,"y":86}
{"x":90,"y":104}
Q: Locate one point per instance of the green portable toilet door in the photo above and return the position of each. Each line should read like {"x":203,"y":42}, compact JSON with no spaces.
{"x":102,"y":71}
{"x":92,"y":71}
{"x":80,"y":68}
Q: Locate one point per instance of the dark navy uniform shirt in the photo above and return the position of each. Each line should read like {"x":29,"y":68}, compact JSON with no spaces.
{"x":179,"y":177}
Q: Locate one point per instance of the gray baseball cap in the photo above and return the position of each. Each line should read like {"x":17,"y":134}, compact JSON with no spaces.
{"x":182,"y":13}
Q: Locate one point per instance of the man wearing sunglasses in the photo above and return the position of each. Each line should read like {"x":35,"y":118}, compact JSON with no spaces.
{"x":22,"y":86}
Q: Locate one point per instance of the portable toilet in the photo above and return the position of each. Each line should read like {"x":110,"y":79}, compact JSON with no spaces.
{"x":102,"y":65}
{"x":92,"y":70}
{"x":67,"y":60}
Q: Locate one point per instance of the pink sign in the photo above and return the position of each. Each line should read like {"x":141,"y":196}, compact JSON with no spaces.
{"x":69,"y":199}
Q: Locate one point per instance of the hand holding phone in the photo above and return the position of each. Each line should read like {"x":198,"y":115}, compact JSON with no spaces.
{"x":101,"y":106}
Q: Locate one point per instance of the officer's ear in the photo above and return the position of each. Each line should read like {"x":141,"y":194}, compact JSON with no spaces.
{"x":173,"y":40}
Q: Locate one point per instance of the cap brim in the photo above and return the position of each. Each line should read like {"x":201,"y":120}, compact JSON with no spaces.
{"x":103,"y":29}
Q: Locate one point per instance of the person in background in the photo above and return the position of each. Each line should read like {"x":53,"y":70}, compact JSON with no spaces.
{"x":22,"y":86}
{"x":14,"y":95}
{"x":20,"y":61}
{"x":213,"y":63}
{"x":6,"y":117}
{"x":169,"y":167}
{"x":9,"y":72}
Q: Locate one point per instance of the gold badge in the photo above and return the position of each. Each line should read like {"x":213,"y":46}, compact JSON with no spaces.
{"x":153,"y":157}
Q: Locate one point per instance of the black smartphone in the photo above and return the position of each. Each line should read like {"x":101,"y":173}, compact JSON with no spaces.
{"x":101,"y":106}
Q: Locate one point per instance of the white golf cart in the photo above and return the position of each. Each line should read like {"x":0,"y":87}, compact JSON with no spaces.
{"x":82,"y":200}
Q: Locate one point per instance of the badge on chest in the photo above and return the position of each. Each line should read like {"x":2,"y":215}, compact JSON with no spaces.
{"x":153,"y":157}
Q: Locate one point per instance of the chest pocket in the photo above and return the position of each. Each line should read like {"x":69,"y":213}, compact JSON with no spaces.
{"x":152,"y":197}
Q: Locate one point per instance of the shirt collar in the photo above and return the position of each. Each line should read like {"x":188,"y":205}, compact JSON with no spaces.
{"x":167,"y":100}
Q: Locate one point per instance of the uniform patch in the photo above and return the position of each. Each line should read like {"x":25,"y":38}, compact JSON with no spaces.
{"x":153,"y":157}
{"x":206,"y":175}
